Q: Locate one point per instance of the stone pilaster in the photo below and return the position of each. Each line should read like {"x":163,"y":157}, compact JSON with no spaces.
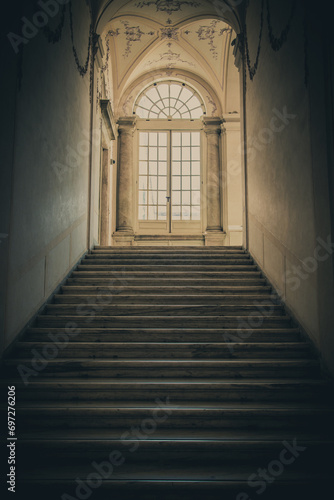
{"x":214,"y":235}
{"x":124,"y":225}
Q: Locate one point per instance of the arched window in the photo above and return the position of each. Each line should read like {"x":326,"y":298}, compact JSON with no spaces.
{"x":169,"y":100}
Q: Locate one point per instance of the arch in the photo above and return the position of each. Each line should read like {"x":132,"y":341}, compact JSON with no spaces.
{"x":169,"y":99}
{"x":211,"y":102}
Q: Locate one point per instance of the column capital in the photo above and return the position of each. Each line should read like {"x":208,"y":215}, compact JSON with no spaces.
{"x":127,"y":124}
{"x":212,"y":125}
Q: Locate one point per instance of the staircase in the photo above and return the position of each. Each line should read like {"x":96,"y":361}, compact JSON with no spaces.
{"x":169,"y":373}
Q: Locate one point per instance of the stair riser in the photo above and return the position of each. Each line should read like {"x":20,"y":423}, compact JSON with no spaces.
{"x":186,"y":393}
{"x":124,"y":282}
{"x":176,"y":300}
{"x":163,"y":261}
{"x":162,"y":322}
{"x":207,"y":420}
{"x":157,"y":456}
{"x":132,"y":351}
{"x":168,"y":291}
{"x":182,"y":273}
{"x":163,"y":310}
{"x":228,"y":336}
{"x":62,"y":371}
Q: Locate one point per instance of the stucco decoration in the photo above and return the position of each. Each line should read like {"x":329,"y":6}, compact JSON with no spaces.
{"x":168,"y":6}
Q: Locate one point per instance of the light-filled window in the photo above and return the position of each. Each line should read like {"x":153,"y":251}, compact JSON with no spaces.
{"x":173,"y":178}
{"x":169,"y":100}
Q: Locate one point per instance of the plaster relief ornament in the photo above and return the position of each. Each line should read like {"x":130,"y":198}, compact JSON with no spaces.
{"x":168,"y":6}
{"x":210,"y":33}
{"x":133,"y":34}
{"x":169,"y":33}
{"x":171,"y":58}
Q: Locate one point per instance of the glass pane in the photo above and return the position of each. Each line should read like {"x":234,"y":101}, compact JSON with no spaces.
{"x":195,"y":183}
{"x":153,"y":183}
{"x":185,"y":154}
{"x":196,"y":168}
{"x":176,"y":197}
{"x":162,"y":212}
{"x":185,"y":197}
{"x":195,"y":213}
{"x":176,"y":168}
{"x":176,"y":183}
{"x":153,"y":153}
{"x":196,"y":113}
{"x":176,"y":213}
{"x":163,"y":154}
{"x":162,"y":168}
{"x":142,"y":113}
{"x":186,"y":139}
{"x":195,"y":197}
{"x":142,"y":213}
{"x":142,"y":197}
{"x":153,"y":168}
{"x":143,"y":167}
{"x":186,"y":168}
{"x":185,"y":183}
{"x":162,"y":139}
{"x":142,"y":182}
{"x":162,"y":197}
{"x":153,"y":94}
{"x":143,"y":139}
{"x":153,"y":139}
{"x":195,"y":154}
{"x":152,"y":213}
{"x":185,"y":213}
{"x":176,"y":139}
{"x":196,"y":138}
{"x":185,"y":94}
{"x":143,"y":152}
{"x":193,"y":103}
{"x":152,"y":115}
{"x":176,"y":155}
{"x":152,"y":198}
{"x":145,"y":103}
{"x":175,"y":90}
{"x":163,"y":183}
{"x":163,"y":90}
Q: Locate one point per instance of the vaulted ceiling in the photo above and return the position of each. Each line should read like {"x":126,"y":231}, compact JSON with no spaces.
{"x":143,"y":36}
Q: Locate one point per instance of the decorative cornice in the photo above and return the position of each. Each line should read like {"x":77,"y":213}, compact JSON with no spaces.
{"x":127,"y":124}
{"x":213,"y":125}
{"x":98,"y":50}
{"x":108,"y":118}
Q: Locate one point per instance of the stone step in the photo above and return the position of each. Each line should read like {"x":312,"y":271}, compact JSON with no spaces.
{"x":165,"y":272}
{"x":171,"y":258}
{"x":168,"y":263}
{"x":294,"y":416}
{"x":220,"y":310}
{"x":124,"y":281}
{"x":114,"y":298}
{"x":68,"y":348}
{"x":172,"y":321}
{"x":155,"y":451}
{"x":192,"y":291}
{"x":169,"y":249}
{"x":169,"y":369}
{"x":179,"y":484}
{"x":38,"y":388}
{"x":229,"y":336}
